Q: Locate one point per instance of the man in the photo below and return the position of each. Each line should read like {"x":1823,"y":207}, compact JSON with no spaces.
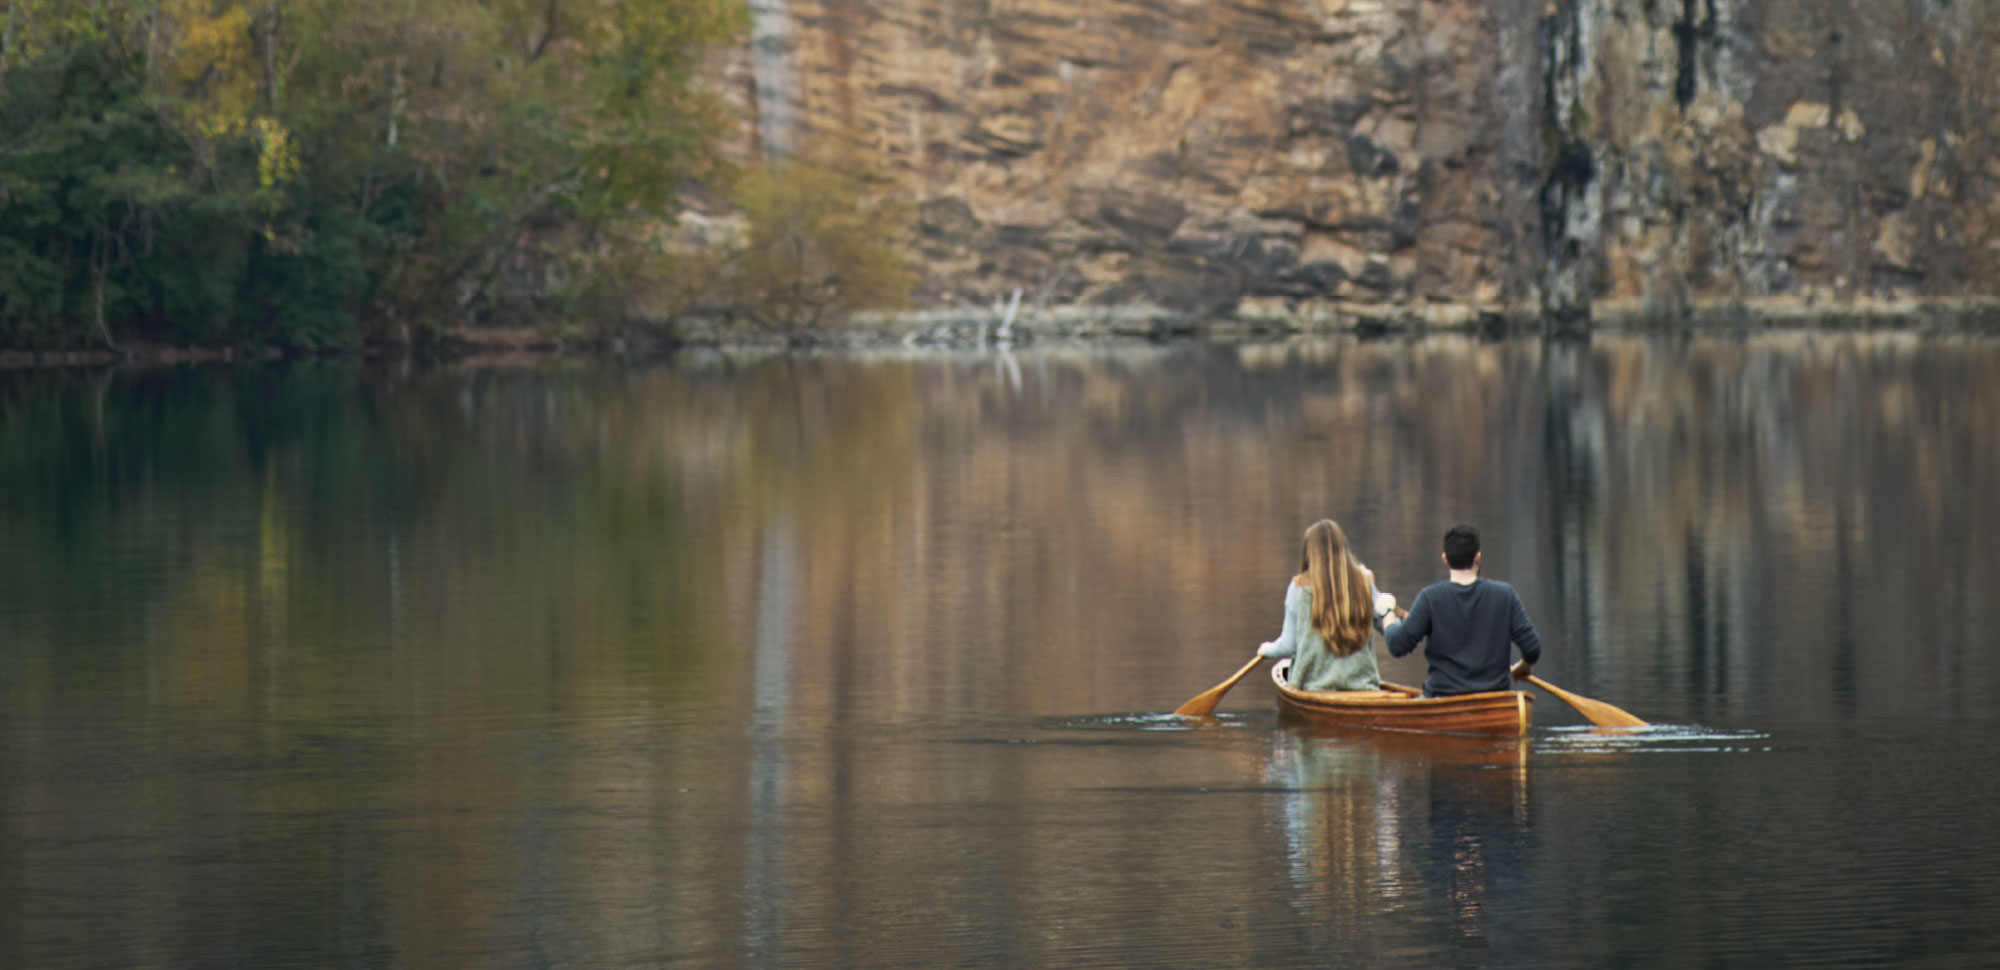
{"x":1470,"y":621}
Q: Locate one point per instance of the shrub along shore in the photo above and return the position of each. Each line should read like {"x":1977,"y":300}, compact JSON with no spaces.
{"x":971,"y":327}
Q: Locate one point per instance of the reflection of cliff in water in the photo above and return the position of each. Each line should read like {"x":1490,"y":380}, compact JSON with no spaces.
{"x":1703,"y":493}
{"x":1387,"y":828}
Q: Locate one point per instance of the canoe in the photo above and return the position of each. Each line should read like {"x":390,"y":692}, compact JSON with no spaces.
{"x":1398,"y":708}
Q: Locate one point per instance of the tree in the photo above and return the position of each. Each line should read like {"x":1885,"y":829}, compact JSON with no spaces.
{"x":306,"y":174}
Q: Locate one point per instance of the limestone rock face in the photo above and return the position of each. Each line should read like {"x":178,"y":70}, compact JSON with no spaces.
{"x":1542,"y":154}
{"x":1805,"y":150}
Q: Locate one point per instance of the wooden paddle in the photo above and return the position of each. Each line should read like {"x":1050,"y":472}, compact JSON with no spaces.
{"x":1203,"y":704}
{"x":1599,"y":713}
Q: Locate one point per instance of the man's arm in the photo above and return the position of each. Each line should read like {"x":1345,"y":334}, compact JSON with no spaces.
{"x":1403,"y":637}
{"x":1524,"y":634}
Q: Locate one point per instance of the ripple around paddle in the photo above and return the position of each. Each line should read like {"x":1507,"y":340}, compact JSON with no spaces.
{"x":1653,"y":739}
{"x":1146,"y":721}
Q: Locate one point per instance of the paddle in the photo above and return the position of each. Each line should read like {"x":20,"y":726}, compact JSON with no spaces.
{"x":1203,"y":704}
{"x":1599,"y":713}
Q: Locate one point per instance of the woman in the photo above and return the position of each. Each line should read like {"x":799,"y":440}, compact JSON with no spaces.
{"x":1332,"y":611}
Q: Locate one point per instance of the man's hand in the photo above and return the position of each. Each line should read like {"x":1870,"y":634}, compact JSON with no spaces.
{"x":1385,"y":604}
{"x":1522,"y":670}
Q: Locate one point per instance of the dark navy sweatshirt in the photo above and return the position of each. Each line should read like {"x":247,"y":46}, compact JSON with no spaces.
{"x":1469,"y":627}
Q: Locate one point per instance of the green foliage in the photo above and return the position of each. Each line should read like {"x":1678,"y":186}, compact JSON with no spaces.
{"x":95,"y":190}
{"x":819,"y":243}
{"x":315,"y":172}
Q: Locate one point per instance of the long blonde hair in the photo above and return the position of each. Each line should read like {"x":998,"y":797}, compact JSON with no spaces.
{"x":1342,"y":614}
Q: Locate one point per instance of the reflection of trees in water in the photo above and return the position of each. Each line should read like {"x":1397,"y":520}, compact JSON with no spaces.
{"x":771,"y":679}
{"x":311,"y":590}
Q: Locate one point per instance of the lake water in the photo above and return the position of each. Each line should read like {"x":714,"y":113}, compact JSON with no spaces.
{"x":864,"y":661}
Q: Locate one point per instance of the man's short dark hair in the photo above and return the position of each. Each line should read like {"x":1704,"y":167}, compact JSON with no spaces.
{"x":1461,"y":544}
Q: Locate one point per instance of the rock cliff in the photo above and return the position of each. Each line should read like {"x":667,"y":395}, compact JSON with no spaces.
{"x":1634,"y":157}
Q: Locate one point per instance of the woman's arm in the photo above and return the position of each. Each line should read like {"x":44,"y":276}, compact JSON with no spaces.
{"x":1404,"y":637}
{"x":1381,"y":605}
{"x":1384,"y":608}
{"x":1287,"y":643}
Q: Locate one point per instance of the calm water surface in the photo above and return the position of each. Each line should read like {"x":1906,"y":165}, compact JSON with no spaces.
{"x":864,"y":661}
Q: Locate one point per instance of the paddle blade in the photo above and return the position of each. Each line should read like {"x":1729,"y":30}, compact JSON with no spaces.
{"x":1606,"y":715}
{"x":1203,"y":704}
{"x":1598,"y":712}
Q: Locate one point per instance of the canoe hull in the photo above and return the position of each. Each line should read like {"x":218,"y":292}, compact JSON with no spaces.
{"x":1504,"y":713}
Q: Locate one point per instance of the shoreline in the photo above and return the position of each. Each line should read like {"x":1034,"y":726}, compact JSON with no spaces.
{"x":971,"y":326}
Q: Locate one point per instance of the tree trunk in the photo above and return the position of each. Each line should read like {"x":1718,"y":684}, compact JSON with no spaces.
{"x":6,"y":47}
{"x":269,"y":42}
{"x":103,"y":261}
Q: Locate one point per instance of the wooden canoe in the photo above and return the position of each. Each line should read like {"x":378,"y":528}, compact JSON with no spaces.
{"x":1397,"y":708}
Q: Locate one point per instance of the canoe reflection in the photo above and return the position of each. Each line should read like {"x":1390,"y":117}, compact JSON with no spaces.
{"x":1386,"y":824}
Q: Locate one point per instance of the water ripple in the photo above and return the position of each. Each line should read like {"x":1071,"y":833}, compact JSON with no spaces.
{"x":1652,"y":739}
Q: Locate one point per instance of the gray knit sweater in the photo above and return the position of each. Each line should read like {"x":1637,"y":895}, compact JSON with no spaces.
{"x":1314,"y":665}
